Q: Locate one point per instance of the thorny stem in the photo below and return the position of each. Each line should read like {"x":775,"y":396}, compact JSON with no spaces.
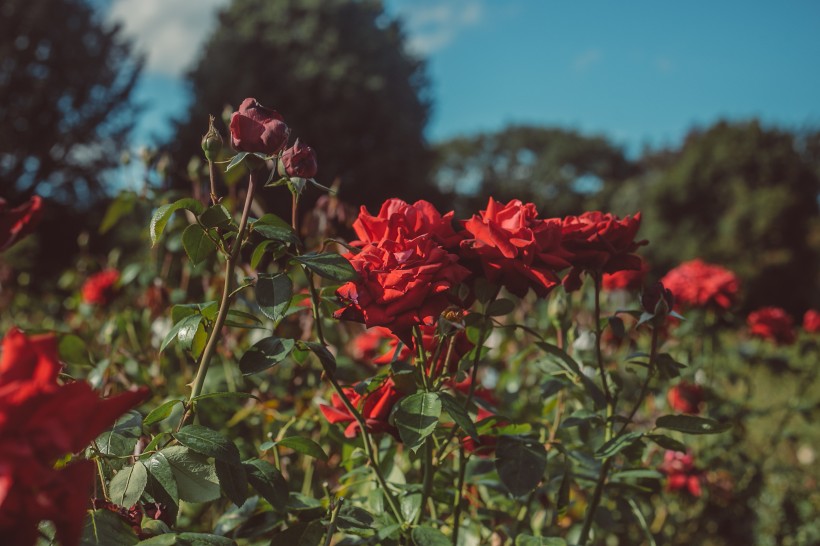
{"x":224,"y":304}
{"x":370,"y":452}
{"x":212,"y":173}
{"x":331,"y":527}
{"x":650,"y":373}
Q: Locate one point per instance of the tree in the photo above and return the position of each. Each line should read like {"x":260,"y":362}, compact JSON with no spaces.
{"x":559,"y":170}
{"x":740,"y":195}
{"x":338,"y":73}
{"x":65,"y":83}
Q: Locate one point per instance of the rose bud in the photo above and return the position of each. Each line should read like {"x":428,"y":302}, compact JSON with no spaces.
{"x":299,"y":161}
{"x":211,"y":141}
{"x":657,"y":300}
{"x":257,"y":129}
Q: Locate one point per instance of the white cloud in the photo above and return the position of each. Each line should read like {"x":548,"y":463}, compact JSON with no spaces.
{"x":586,"y":59}
{"x":169,"y":32}
{"x":432,"y":26}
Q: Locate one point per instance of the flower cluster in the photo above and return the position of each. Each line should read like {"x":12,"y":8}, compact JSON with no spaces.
{"x":412,"y":258}
{"x":773,"y":324}
{"x":99,"y":288}
{"x":697,"y":284}
{"x":681,"y":473}
{"x":42,"y":421}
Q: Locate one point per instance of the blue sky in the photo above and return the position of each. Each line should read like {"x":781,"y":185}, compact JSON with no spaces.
{"x":640,"y":72}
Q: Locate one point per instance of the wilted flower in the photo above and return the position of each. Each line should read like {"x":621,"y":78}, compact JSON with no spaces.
{"x":255,"y":128}
{"x":300,"y":161}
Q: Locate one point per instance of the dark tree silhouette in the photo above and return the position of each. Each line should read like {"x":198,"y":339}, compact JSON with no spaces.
{"x":338,"y":73}
{"x":65,"y":85}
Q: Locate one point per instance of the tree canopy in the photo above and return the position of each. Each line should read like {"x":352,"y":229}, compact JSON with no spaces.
{"x":338,"y":72}
{"x":559,"y":170}
{"x":65,"y":109}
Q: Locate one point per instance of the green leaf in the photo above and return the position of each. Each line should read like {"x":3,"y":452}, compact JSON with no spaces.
{"x":562,"y":502}
{"x":215,"y":217}
{"x":500,"y":307}
{"x":236,"y":160}
{"x":280,"y":234}
{"x":258,"y":252}
{"x":528,"y":540}
{"x":410,"y":505}
{"x":329,"y":265}
{"x":569,"y":364}
{"x":163,"y":213}
{"x":197,"y":244}
{"x":273,"y":294}
{"x":268,"y":482}
{"x":208,"y":442}
{"x":104,"y":528}
{"x":325,"y":356}
{"x":195,"y":477}
{"x":416,"y":417}
{"x":520,"y":462}
{"x":271,"y":219}
{"x":233,"y":480}
{"x":119,"y":207}
{"x":166,"y":539}
{"x":204,"y":539}
{"x":128,"y":484}
{"x":617,"y":444}
{"x":636,"y":510}
{"x":161,"y":412}
{"x":427,"y":536}
{"x":305,"y":446}
{"x":265,"y":354}
{"x":184,"y":329}
{"x":72,"y":350}
{"x":690,"y":424}
{"x":354,"y":520}
{"x":459,"y":414}
{"x":666,"y":442}
{"x":162,"y":484}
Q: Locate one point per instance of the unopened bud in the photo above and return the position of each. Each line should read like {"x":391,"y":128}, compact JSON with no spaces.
{"x":211,"y":141}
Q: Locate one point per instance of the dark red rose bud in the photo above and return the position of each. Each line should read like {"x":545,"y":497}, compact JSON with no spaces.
{"x":300,"y":161}
{"x":657,"y":299}
{"x":257,"y":129}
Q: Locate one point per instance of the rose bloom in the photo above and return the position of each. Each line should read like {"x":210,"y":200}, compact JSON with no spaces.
{"x":255,"y":128}
{"x":698,"y":284}
{"x":300,"y":161}
{"x":401,"y":284}
{"x":41,"y":421}
{"x":398,"y":219}
{"x":811,"y":321}
{"x":685,"y":397}
{"x":514,"y":247}
{"x":628,"y":279}
{"x":599,"y":242}
{"x":18,"y":222}
{"x":99,"y":288}
{"x":772,"y":323}
{"x":681,"y":473}
{"x":375,"y":408}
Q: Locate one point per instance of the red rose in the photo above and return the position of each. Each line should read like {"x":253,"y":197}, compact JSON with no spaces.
{"x":515,"y":248}
{"x":255,"y":128}
{"x":100,"y":287}
{"x":628,"y":279}
{"x":40,"y":422}
{"x":685,"y":397}
{"x":18,"y":222}
{"x":300,"y":161}
{"x":598,"y":242}
{"x":375,"y":408}
{"x":811,"y":321}
{"x":398,"y":219}
{"x":401,"y":284}
{"x":657,"y":299}
{"x":698,"y":284}
{"x":772,"y":323}
{"x":681,"y":472}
